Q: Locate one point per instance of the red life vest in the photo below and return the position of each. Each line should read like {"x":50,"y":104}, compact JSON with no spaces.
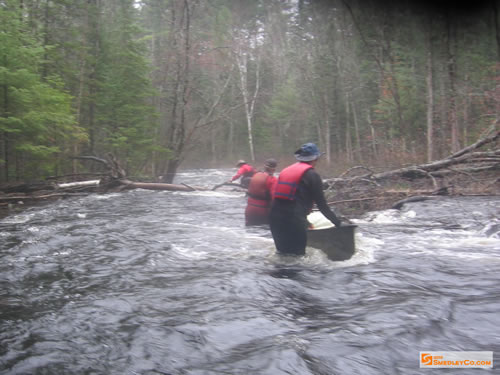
{"x":257,"y":188}
{"x":246,"y":170}
{"x":259,"y":194}
{"x":288,"y":180}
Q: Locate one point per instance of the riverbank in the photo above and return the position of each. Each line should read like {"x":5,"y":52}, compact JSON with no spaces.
{"x":355,"y":199}
{"x":349,"y":203}
{"x":468,"y":172}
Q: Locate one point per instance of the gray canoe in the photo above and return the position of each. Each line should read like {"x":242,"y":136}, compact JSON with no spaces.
{"x":336,"y":243}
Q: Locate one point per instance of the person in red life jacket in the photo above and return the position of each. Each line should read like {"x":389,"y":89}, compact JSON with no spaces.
{"x":245,"y":171}
{"x":260,"y":191}
{"x":299,"y":186}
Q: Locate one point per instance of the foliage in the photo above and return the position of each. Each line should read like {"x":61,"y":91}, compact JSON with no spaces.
{"x":36,"y":119}
{"x":125,"y":117}
{"x":156,"y":81}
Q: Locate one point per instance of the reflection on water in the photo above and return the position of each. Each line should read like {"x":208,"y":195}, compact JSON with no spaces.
{"x":148,"y":282}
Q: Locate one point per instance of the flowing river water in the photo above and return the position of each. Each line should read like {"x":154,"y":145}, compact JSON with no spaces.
{"x":151,"y":282}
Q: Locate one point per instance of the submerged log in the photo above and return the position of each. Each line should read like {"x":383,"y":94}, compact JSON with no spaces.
{"x":159,"y":186}
{"x":413,"y":199}
{"x":233,"y":184}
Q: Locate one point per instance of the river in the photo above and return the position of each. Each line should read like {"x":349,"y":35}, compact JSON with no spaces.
{"x":158,"y":282}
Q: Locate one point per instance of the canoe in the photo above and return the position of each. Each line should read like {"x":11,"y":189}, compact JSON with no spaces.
{"x":336,"y":242}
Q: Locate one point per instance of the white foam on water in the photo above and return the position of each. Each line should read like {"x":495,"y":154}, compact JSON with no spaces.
{"x":33,"y":229}
{"x":386,"y":217}
{"x":491,"y":230}
{"x":18,"y":219}
{"x":207,"y":173}
{"x":265,"y":248}
{"x":102,"y":197}
{"x":467,"y":247}
{"x":190,"y":253}
{"x":470,"y":256}
{"x":203,"y":193}
{"x":238,"y":244}
{"x":252,"y":248}
{"x":211,"y":228}
{"x":364,"y":254}
{"x":409,"y":214}
{"x":475,"y":241}
{"x":364,"y":247}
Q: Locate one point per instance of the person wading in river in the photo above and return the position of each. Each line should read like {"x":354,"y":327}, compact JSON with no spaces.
{"x":260,"y":195}
{"x":299,"y":186}
{"x":245,"y":171}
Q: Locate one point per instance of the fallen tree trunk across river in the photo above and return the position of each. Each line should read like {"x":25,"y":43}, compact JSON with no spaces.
{"x":473,"y":170}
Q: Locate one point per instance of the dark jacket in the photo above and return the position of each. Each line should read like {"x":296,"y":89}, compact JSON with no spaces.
{"x":309,"y":191}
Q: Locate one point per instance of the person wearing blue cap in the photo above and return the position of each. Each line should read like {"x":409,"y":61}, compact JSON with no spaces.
{"x":299,"y":187}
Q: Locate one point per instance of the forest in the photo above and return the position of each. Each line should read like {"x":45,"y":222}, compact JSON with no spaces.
{"x":169,"y":84}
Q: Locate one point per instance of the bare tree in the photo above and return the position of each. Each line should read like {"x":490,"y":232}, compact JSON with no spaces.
{"x":451,"y":44}
{"x":430,"y":97}
{"x":241,"y":55}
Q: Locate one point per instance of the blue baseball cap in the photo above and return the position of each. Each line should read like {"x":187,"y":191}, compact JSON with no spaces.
{"x":307,"y":152}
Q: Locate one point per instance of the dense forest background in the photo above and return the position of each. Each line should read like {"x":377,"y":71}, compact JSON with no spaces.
{"x":201,"y":83}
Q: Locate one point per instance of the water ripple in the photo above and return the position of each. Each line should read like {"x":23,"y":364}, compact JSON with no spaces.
{"x":147,"y":282}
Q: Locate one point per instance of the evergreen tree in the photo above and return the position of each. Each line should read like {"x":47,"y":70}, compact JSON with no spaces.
{"x":125,"y":115}
{"x":36,"y":121}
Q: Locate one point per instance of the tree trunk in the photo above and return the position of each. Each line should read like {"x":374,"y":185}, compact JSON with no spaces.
{"x":6,"y":143}
{"x":46,"y":41}
{"x":444,"y":109}
{"x":451,"y":50}
{"x":94,"y":9}
{"x":327,"y":131}
{"x":374,"y":135}
{"x":357,"y":135}
{"x":158,"y":186}
{"x":248,"y":101}
{"x":348,"y":142}
{"x":393,"y":81}
{"x":230,"y":145}
{"x":497,"y":27}
{"x":430,"y":98}
{"x":81,"y":89}
{"x":328,"y":146}
{"x":465,"y":108}
{"x":182,"y":44}
{"x":213,"y":145}
{"x":159,"y":52}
